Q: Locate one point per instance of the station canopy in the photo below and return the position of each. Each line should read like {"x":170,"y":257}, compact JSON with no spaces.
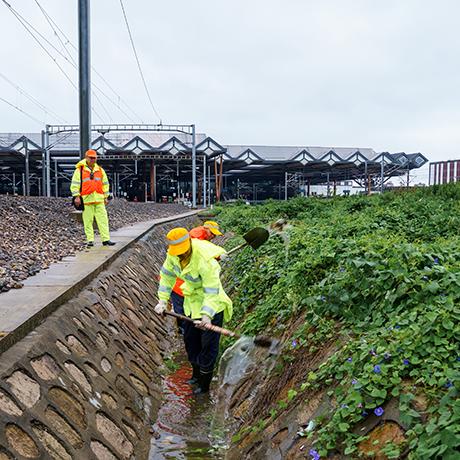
{"x":250,"y":162}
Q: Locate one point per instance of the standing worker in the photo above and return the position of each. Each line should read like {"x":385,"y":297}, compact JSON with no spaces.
{"x":208,"y":231}
{"x":194,"y":261}
{"x":90,"y":184}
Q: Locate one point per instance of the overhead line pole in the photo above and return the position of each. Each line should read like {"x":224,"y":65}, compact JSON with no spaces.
{"x":84,"y":70}
{"x":193,"y":167}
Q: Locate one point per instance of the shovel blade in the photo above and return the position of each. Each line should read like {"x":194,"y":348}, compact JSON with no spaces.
{"x":256,"y":237}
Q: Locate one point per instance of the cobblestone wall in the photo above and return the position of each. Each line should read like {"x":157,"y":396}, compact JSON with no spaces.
{"x":86,"y":383}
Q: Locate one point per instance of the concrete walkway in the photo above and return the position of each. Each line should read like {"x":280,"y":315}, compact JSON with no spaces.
{"x":22,"y":309}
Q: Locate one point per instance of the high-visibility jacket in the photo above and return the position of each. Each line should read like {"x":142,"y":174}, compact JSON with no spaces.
{"x":203,"y":291}
{"x":202,"y":234}
{"x":94,"y":183}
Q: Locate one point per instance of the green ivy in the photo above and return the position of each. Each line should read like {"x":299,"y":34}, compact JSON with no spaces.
{"x":384,"y":271}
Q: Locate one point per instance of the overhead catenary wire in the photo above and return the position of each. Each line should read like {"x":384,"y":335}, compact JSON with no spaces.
{"x":138,"y":62}
{"x":29,"y":28}
{"x":32,"y":99}
{"x":55,"y":27}
{"x":41,"y":122}
{"x":52,"y":25}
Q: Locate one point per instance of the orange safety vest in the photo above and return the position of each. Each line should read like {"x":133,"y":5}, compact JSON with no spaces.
{"x":91,"y":182}
{"x":199,"y":233}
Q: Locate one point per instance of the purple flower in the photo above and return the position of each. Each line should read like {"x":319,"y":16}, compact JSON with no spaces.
{"x":364,"y":413}
{"x":406,"y":362}
{"x":323,"y":299}
{"x":344,"y":406}
{"x":314,"y":454}
{"x":372,"y":352}
{"x":341,"y":269}
{"x":436,"y":261}
{"x":294,"y":343}
{"x":449,"y":384}
{"x":354,"y":382}
{"x":377,"y":369}
{"x":458,"y":358}
{"x":378,"y":411}
{"x":360,"y":405}
{"x":397,"y":327}
{"x":350,"y":359}
{"x":386,"y":355}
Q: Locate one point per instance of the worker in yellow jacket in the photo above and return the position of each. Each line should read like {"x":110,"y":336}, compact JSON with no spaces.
{"x":194,"y":261}
{"x":90,"y":184}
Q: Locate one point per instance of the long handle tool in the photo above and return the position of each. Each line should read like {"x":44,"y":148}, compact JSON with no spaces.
{"x":254,"y":238}
{"x":260,"y":340}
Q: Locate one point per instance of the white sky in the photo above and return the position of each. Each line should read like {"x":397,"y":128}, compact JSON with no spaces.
{"x":352,"y":73}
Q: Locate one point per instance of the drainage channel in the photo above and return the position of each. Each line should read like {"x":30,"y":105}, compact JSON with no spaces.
{"x":183,"y":428}
{"x":87,"y":382}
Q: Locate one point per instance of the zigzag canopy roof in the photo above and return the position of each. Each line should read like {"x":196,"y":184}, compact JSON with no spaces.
{"x":255,"y":160}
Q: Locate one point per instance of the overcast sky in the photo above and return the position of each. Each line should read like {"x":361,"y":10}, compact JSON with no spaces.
{"x":356,"y":73}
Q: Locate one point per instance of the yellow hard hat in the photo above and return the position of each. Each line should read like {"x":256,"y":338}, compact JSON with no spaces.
{"x":213,"y":227}
{"x":178,"y":241}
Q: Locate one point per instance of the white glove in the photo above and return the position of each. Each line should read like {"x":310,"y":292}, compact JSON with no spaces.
{"x":160,"y":307}
{"x":205,"y":319}
{"x":223,"y":257}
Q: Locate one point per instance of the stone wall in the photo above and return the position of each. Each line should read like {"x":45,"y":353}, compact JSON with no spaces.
{"x":86,"y":383}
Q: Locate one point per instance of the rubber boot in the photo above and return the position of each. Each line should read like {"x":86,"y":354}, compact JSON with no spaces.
{"x":195,"y":375}
{"x":203,"y":383}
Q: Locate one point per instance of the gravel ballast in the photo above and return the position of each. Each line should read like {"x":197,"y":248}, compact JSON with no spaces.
{"x":37,"y":231}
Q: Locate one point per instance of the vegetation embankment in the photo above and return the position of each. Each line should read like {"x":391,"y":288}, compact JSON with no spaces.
{"x":378,"y":276}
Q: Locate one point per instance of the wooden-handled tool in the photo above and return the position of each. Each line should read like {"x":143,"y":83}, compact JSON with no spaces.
{"x":254,"y":238}
{"x":260,"y":340}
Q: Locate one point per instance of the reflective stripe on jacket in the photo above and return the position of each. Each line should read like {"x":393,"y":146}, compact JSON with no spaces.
{"x":202,"y":288}
{"x":93,"y":190}
{"x":202,"y":234}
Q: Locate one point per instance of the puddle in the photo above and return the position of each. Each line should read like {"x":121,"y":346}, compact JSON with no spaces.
{"x":183,"y":426}
{"x":199,"y":427}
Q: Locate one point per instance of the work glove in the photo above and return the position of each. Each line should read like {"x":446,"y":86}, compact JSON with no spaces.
{"x":160,"y":307}
{"x":205,"y":319}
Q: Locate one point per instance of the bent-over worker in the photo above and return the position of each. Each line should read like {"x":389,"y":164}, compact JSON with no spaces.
{"x":194,"y":261}
{"x":208,"y":231}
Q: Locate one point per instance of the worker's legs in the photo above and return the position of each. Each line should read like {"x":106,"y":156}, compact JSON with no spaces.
{"x":192,"y":340}
{"x":209,"y":347}
{"x":102,"y":221}
{"x":178,"y":307}
{"x":208,"y":355}
{"x":88,"y":219}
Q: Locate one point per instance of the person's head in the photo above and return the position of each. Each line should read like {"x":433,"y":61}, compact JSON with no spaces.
{"x":179,"y":244}
{"x":91,"y":157}
{"x":212,"y":229}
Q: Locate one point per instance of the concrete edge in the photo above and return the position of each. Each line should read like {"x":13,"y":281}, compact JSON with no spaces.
{"x":37,"y":318}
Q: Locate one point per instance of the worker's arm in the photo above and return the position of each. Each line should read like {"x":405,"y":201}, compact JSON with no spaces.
{"x":105,"y":184}
{"x":75,"y":184}
{"x":212,"y":288}
{"x":167,"y":280}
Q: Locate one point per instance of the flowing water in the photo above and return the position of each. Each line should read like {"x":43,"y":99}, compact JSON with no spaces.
{"x":183,"y":426}
{"x":283,"y":232}
{"x":197,"y":427}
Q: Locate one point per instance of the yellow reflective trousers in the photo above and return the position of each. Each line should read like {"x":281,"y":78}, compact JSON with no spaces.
{"x":96,"y":211}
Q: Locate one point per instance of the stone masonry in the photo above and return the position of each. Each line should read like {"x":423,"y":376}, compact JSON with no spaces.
{"x":86,"y":383}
